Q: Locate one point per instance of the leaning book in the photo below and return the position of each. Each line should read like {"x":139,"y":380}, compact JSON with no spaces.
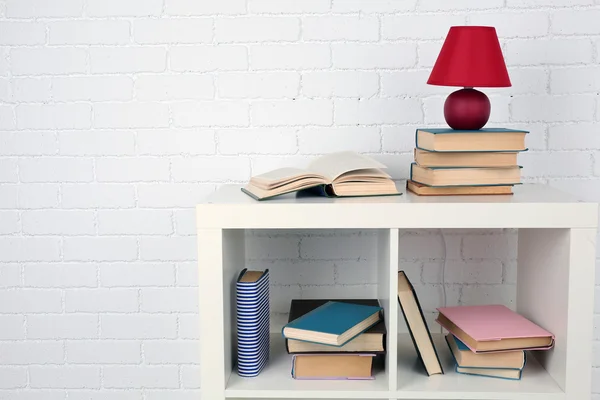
{"x":343,"y":174}
{"x":417,"y":327}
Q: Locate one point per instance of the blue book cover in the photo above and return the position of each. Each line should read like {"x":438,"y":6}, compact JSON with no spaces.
{"x":461,"y":346}
{"x":333,"y":319}
{"x":441,"y":131}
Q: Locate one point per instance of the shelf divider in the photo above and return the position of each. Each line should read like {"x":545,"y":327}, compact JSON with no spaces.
{"x":387,"y":277}
{"x":221,"y":255}
{"x":555,"y":289}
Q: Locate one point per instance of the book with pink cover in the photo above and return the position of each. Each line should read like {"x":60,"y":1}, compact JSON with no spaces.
{"x":494,"y":328}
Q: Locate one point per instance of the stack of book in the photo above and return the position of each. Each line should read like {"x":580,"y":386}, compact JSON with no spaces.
{"x":491,"y":340}
{"x":339,"y":339}
{"x":452,"y":162}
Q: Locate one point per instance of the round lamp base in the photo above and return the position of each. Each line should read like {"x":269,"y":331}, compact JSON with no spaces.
{"x":467,"y":109}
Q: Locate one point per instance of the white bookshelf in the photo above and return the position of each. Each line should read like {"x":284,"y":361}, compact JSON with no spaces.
{"x":555,"y":288}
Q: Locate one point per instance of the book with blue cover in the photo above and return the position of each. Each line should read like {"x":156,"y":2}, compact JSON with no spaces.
{"x":372,"y":341}
{"x":488,"y":140}
{"x":334,"y":323}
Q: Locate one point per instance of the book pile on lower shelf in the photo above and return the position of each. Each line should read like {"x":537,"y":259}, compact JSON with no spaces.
{"x":341,"y":339}
{"x":346,"y":339}
{"x":452,"y":162}
{"x":488,"y":340}
{"x":491,"y":340}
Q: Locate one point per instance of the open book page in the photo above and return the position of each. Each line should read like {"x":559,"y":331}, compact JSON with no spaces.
{"x":284,"y":176}
{"x":363,"y":175}
{"x":331,"y":166}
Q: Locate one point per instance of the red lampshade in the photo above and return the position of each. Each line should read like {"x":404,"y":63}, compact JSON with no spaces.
{"x":470,"y":57}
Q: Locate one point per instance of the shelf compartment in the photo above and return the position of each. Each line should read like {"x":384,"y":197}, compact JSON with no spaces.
{"x":413,"y":382}
{"x":276,"y":382}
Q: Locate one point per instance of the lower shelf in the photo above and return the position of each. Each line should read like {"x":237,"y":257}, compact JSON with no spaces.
{"x":536,"y":383}
{"x":275,"y":381}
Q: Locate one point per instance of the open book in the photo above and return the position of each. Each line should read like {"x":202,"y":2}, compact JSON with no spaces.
{"x":339,"y":174}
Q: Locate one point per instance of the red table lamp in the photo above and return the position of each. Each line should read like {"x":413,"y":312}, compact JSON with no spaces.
{"x":470,"y":57}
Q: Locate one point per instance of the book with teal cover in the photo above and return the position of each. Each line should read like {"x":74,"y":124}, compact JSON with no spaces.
{"x":461,"y":346}
{"x":463,"y":370}
{"x":334,"y":318}
{"x":448,"y":131}
{"x":442,"y":131}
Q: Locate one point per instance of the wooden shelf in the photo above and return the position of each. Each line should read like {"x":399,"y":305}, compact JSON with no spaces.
{"x":555,"y":289}
{"x":532,"y":206}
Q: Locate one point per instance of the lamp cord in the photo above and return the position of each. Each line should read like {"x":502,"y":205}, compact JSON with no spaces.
{"x":444,"y":262}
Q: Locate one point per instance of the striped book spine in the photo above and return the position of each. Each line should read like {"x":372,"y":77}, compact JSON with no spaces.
{"x":252,"y":325}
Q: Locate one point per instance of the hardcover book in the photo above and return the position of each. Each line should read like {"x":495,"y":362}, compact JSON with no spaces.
{"x":252,"y":315}
{"x":465,"y":159}
{"x":333,"y":366}
{"x":343,"y":174}
{"x":334,"y":323}
{"x":417,"y":327}
{"x":491,"y":139}
{"x":424,"y":190}
{"x":490,"y":372}
{"x":465,"y":358}
{"x":371,"y":341}
{"x":465,"y":176}
{"x":510,"y":374}
{"x":493,"y":328}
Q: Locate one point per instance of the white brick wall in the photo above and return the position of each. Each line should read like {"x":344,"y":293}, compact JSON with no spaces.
{"x":117,"y":117}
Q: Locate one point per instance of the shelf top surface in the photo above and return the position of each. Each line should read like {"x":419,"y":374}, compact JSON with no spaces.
{"x":229,"y":207}
{"x":528,"y":193}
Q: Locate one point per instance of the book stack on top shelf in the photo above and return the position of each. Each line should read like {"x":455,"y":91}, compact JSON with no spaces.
{"x":453,"y":162}
{"x":341,"y":339}
{"x":491,"y":340}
